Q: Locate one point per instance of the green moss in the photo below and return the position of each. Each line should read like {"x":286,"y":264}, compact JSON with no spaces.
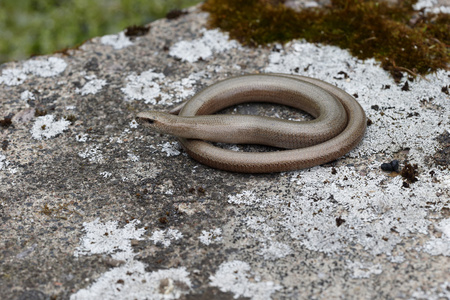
{"x":35,"y":27}
{"x":366,"y":28}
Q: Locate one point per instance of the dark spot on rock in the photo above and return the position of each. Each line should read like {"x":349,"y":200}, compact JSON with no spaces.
{"x":5,"y":144}
{"x":445,"y":90}
{"x":91,"y":65}
{"x":6,"y":122}
{"x":201,"y":190}
{"x":405,"y":87}
{"x":136,"y":31}
{"x":415,"y":114}
{"x":409,"y":172}
{"x":392,"y":166}
{"x":339,"y":221}
{"x":71,"y":118}
{"x":341,"y":75}
{"x":442,"y":155}
{"x":39,"y":112}
{"x":175,"y":14}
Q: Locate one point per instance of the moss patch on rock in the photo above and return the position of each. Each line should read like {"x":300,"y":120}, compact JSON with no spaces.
{"x":401,"y":38}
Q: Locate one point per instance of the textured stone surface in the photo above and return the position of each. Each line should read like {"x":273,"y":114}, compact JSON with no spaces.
{"x":93,"y":205}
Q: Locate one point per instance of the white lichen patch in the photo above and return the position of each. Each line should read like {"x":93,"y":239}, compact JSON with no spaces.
{"x":105,"y":174}
{"x":444,"y":227}
{"x":184,"y":88}
{"x":237,"y":277}
{"x":82,"y":137}
{"x":93,"y":86}
{"x":13,"y":76}
{"x":133,"y":124}
{"x":396,"y":259}
{"x":260,"y":224}
{"x":363,"y":270}
{"x":40,"y":67}
{"x":93,"y":154}
{"x":275,"y":250}
{"x":165,"y":237}
{"x":155,"y":88}
{"x":246,"y":197}
{"x":132,"y":157}
{"x":437,"y":246}
{"x":107,"y":238}
{"x":131,"y":281}
{"x":117,"y":41}
{"x":6,"y":165}
{"x":326,"y":212}
{"x":213,"y":236}
{"x":170,"y":148}
{"x":432,"y":6}
{"x":440,"y":246}
{"x":26,"y":95}
{"x":377,"y":213}
{"x":145,"y":86}
{"x":45,"y":67}
{"x":47,"y":127}
{"x":212,"y":41}
{"x":3,"y":162}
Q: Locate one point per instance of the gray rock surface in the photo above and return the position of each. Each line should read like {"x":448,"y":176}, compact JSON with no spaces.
{"x":94,"y":206}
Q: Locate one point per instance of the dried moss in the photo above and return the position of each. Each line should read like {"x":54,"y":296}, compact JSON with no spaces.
{"x":399,"y":37}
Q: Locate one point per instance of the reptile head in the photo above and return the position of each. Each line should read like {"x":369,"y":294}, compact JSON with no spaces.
{"x":148,"y":118}
{"x":158,"y":121}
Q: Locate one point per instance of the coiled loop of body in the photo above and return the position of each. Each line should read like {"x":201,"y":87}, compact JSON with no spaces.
{"x":338,"y":126}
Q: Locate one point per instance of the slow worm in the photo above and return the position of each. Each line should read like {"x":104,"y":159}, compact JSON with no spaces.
{"x":339,"y":123}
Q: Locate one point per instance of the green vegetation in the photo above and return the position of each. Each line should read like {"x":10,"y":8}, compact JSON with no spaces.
{"x":397,"y":36}
{"x":32,"y":27}
{"x":400,"y":38}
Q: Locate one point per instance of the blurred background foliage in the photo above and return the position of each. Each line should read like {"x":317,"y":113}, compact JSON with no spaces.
{"x":35,"y":27}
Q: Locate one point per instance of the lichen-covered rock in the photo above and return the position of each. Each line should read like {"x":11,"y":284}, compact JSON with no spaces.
{"x":94,"y":206}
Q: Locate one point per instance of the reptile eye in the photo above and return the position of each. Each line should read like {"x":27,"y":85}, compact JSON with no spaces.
{"x":150,"y":121}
